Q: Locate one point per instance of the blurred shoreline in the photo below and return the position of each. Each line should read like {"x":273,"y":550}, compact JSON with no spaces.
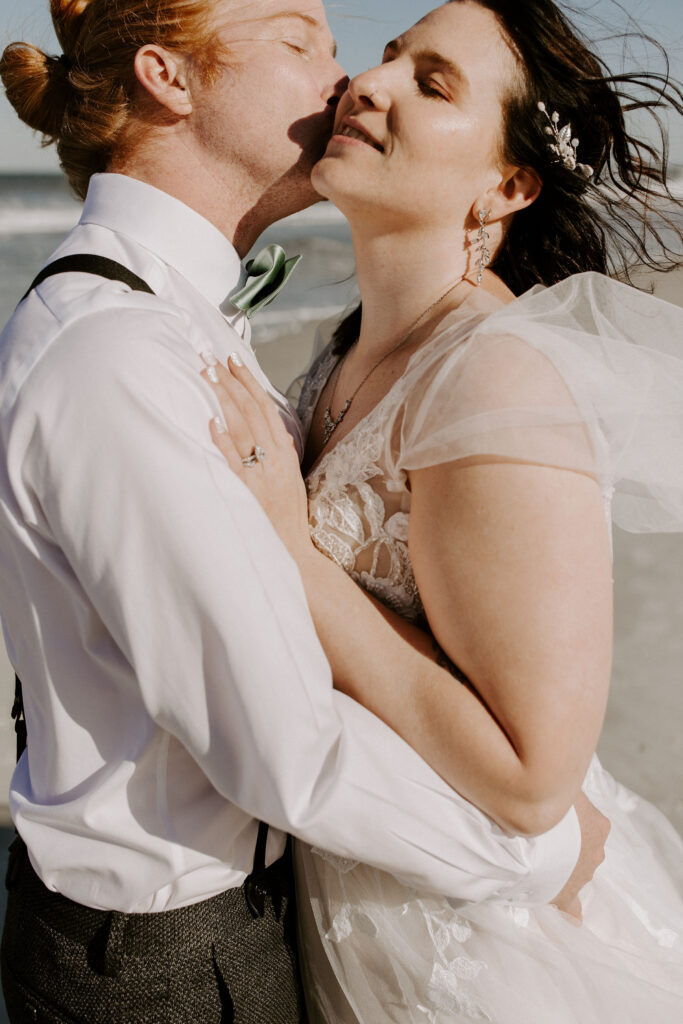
{"x":642,"y":742}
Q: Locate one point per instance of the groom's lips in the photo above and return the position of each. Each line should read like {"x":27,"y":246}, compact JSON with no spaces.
{"x":350,"y":128}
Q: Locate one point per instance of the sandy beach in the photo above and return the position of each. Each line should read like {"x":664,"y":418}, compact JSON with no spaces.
{"x":642,"y":742}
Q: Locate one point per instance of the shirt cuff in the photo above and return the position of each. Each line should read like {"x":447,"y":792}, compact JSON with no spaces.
{"x":552,"y":859}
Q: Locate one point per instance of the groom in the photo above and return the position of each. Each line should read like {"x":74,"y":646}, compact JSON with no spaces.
{"x":174,"y":689}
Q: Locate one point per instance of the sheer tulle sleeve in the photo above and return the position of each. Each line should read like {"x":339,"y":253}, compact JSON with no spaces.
{"x":584,"y":376}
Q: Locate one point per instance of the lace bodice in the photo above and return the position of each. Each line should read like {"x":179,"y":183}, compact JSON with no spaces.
{"x":559,"y":378}
{"x":357,"y":517}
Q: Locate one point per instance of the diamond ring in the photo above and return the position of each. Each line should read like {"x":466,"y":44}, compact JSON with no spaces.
{"x":258,"y":455}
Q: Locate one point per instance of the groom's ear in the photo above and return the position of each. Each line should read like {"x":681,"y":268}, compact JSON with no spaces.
{"x":518,"y":188}
{"x":163,"y":76}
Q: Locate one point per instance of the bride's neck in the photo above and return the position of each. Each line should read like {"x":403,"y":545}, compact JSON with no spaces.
{"x":399,"y":275}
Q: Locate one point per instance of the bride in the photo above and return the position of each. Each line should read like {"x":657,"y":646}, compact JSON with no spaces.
{"x":467,"y":450}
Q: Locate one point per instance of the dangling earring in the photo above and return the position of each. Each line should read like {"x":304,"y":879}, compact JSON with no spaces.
{"x":482,"y":238}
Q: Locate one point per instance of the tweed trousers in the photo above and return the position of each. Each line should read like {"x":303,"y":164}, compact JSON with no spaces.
{"x":227,"y":960}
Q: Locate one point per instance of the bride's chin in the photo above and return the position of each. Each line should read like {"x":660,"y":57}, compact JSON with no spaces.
{"x":320,"y":180}
{"x":331,"y":181}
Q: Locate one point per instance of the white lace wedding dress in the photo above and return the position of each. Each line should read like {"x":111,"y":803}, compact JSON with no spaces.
{"x":588,"y":376}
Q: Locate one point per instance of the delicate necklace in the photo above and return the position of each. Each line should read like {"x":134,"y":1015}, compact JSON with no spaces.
{"x":330,"y":425}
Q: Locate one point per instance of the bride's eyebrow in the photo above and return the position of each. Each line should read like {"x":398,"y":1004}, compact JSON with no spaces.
{"x":438,"y":62}
{"x":435,"y":60}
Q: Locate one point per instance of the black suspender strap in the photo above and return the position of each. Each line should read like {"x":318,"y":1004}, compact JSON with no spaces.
{"x":100,"y":266}
{"x":18,"y":716}
{"x":87,"y":263}
{"x":254,"y":887}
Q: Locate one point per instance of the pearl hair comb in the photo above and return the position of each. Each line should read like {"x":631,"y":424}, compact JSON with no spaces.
{"x":563,"y":146}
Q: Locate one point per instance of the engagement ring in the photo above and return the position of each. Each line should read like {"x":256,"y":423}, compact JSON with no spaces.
{"x":258,"y":455}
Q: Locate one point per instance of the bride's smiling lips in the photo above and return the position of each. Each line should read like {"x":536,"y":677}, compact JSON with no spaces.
{"x":351,"y":131}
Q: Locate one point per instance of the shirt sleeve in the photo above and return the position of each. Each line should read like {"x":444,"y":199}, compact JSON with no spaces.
{"x":203,"y":601}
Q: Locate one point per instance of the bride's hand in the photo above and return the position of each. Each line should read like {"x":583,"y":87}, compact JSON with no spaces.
{"x":252,"y":425}
{"x":595,"y":828}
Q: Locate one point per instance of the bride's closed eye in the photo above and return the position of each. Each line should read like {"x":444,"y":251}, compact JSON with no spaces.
{"x":427,"y":87}
{"x":426,"y":84}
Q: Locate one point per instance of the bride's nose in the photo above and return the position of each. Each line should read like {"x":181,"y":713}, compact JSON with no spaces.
{"x":367,"y":89}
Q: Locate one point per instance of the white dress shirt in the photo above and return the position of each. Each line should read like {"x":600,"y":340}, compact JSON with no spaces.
{"x":175,"y":690}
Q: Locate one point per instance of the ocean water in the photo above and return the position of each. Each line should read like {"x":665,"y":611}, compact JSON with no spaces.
{"x":36,"y":211}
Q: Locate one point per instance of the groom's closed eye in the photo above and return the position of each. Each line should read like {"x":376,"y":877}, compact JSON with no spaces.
{"x":303,"y":31}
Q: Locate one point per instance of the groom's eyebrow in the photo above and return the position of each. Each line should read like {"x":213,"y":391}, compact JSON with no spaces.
{"x":308,"y":19}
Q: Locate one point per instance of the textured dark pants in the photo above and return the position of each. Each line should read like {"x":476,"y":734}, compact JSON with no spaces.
{"x":229,"y":959}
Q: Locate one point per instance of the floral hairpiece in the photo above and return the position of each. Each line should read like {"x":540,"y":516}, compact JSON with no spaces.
{"x":564,"y":147}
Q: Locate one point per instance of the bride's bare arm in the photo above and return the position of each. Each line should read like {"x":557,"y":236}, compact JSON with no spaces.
{"x":513,"y":567}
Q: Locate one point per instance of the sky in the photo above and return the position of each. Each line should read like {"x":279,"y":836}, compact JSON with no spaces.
{"x":361,"y":27}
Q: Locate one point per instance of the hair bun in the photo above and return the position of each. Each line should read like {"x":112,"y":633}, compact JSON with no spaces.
{"x":37,"y":86}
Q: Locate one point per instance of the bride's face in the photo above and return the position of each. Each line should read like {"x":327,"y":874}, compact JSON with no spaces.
{"x":417,"y":139}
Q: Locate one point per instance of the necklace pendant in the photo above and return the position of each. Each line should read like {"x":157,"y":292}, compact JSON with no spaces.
{"x":330,"y":425}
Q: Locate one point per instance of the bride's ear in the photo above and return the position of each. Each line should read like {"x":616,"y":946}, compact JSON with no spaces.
{"x":517,"y":189}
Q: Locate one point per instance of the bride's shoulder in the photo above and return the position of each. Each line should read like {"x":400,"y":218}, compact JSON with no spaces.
{"x":588,"y":341}
{"x":484,"y":337}
{"x":537,"y":349}
{"x":566,"y":323}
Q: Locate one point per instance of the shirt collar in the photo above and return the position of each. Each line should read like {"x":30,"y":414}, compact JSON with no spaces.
{"x":169,"y":229}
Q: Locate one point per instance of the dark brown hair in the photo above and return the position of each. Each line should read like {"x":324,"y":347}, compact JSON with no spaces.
{"x":626,"y":216}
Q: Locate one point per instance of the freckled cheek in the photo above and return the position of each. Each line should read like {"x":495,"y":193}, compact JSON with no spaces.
{"x":295,"y":80}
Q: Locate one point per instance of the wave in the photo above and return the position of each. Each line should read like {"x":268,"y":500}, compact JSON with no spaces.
{"x":17,"y":219}
{"x":49,"y":220}
{"x":58,"y":219}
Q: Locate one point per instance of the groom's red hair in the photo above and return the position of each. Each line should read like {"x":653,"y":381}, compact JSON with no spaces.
{"x":83,"y":100}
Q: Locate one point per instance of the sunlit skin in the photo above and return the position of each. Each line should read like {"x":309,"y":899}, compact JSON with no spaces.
{"x":239,"y":148}
{"x":434,"y":107}
{"x":436,"y":116}
{"x":512,"y":560}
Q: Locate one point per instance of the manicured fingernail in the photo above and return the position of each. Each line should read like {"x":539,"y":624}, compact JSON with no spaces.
{"x":235,"y":359}
{"x":209,"y":358}
{"x":218,"y":424}
{"x":212,"y":374}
